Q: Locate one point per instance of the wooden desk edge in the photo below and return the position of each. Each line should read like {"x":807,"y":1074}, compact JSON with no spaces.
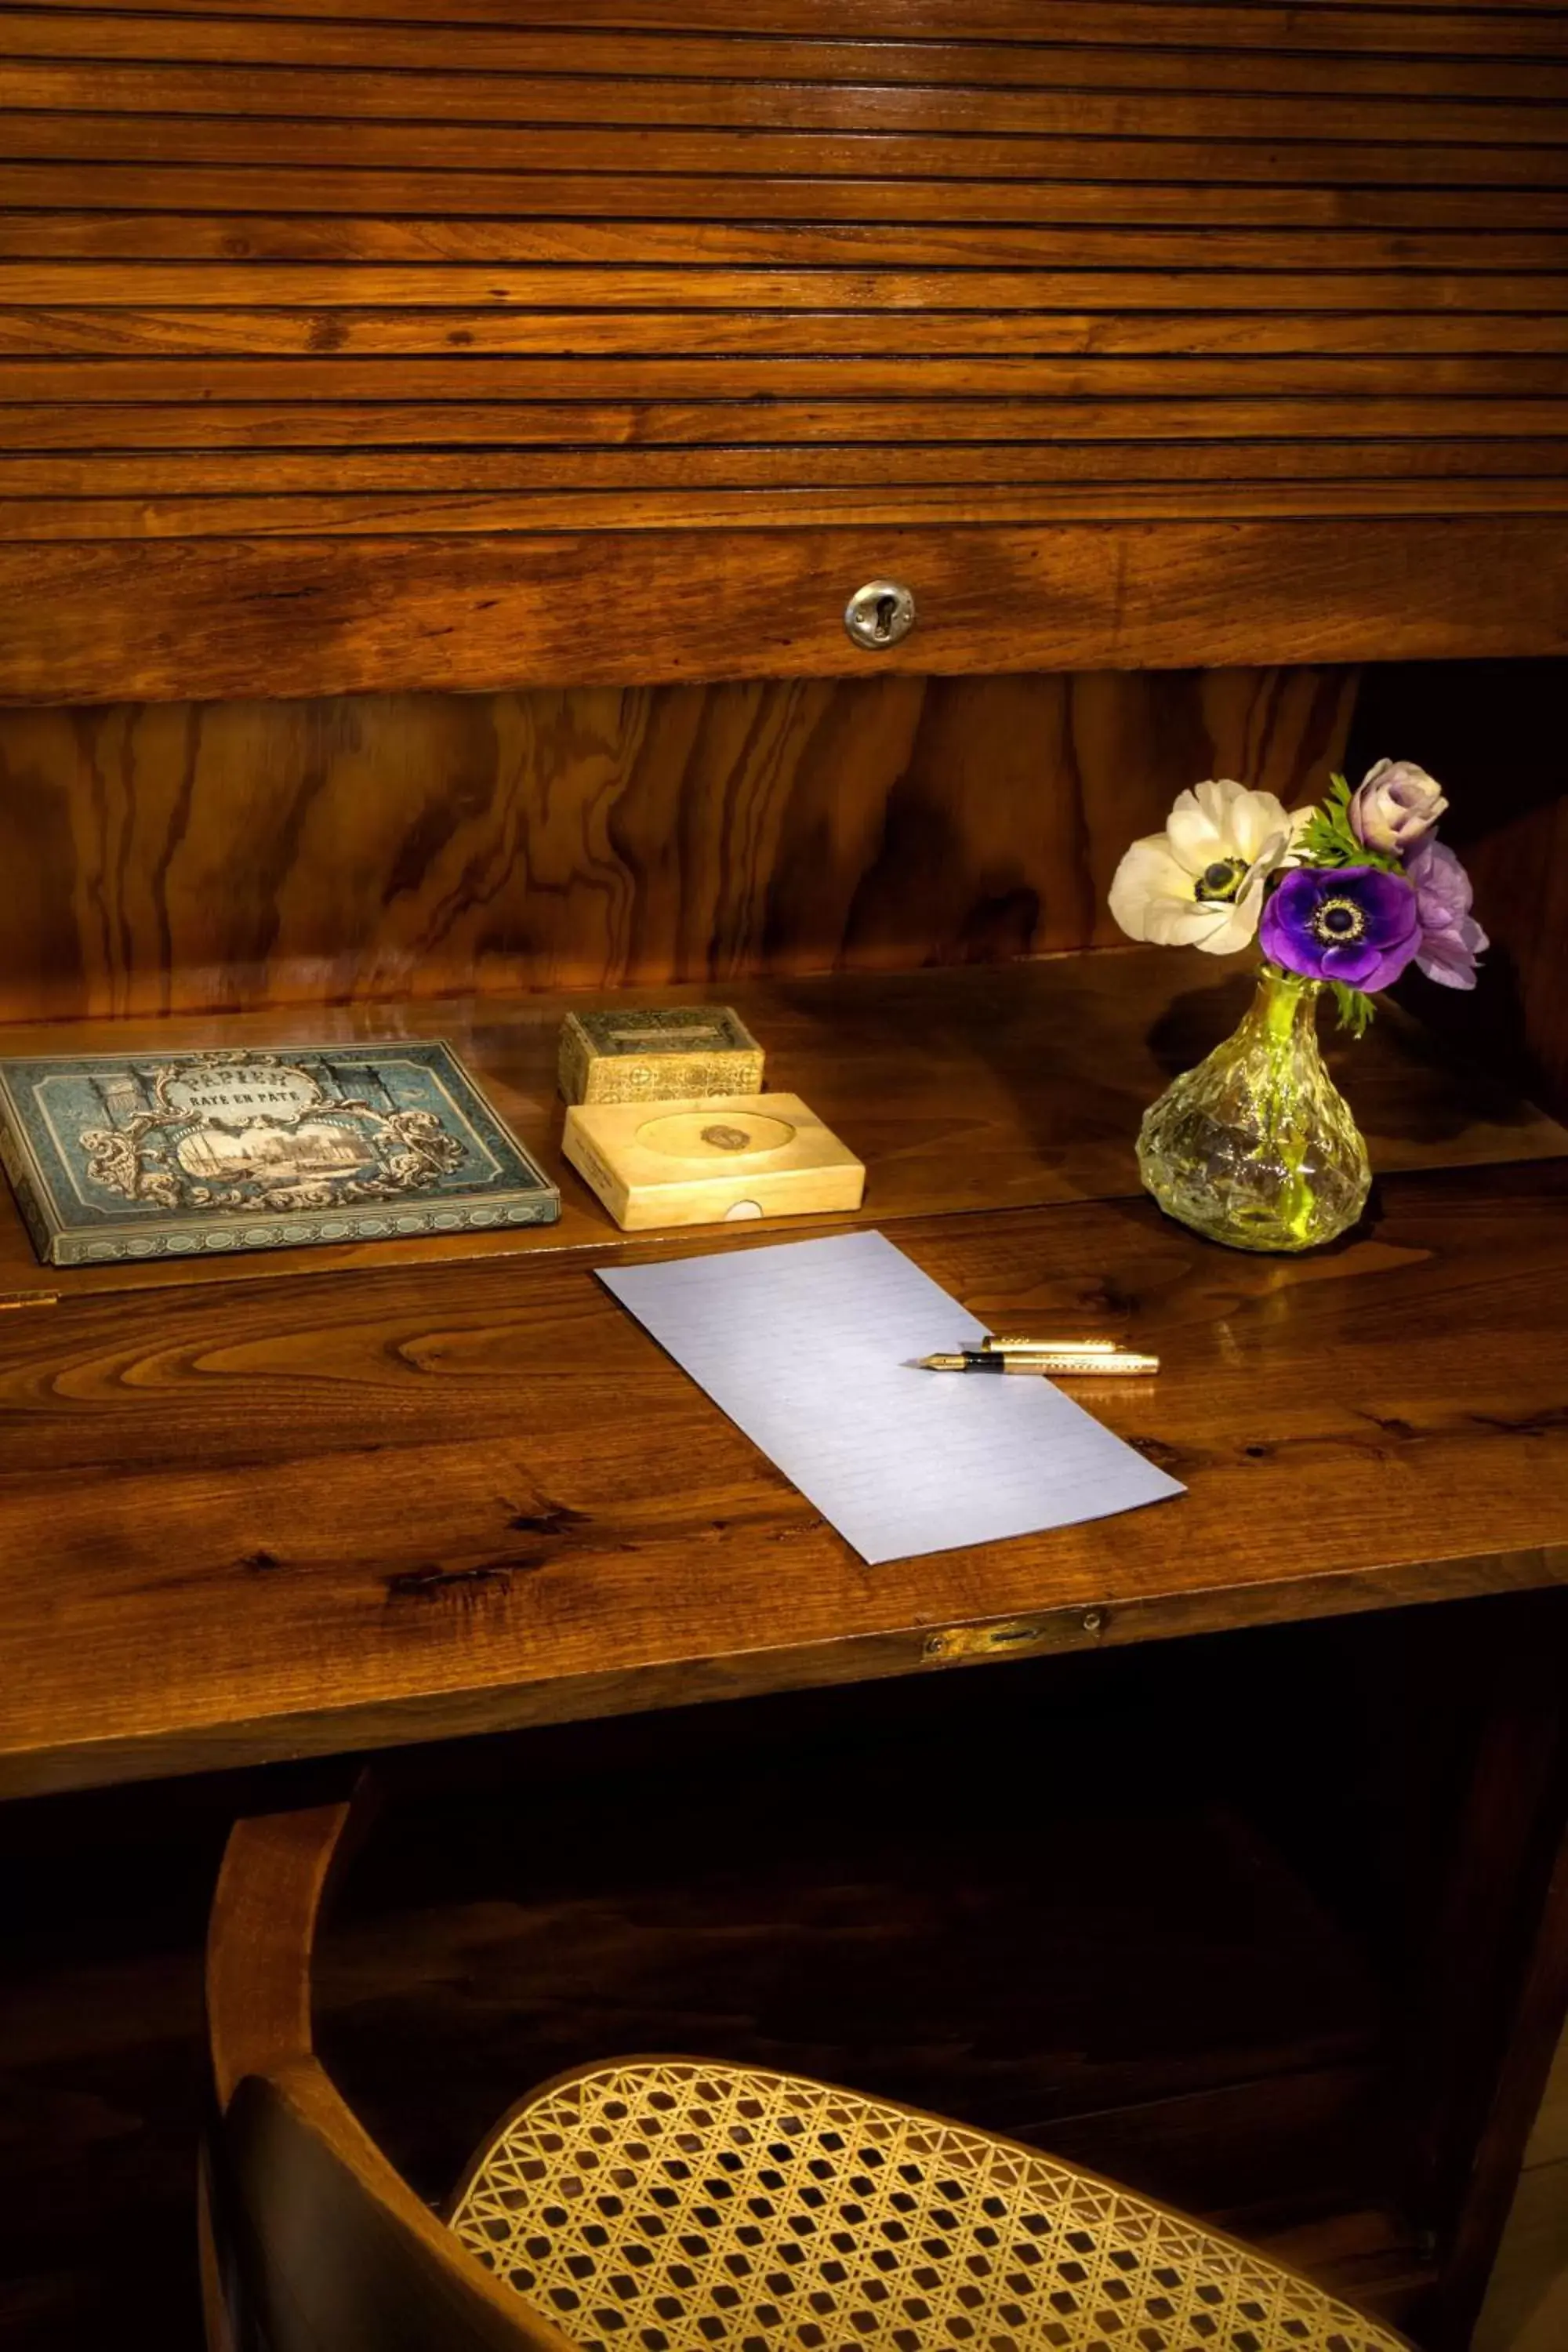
{"x":430,"y":1715}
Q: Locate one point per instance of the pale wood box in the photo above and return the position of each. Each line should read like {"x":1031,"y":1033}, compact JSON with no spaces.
{"x":660,"y":1053}
{"x":712,"y":1162}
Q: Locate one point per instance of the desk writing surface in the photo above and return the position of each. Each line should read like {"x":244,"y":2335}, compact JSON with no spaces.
{"x":248,"y":1520}
{"x":816,"y":1350}
{"x":988,"y":1086}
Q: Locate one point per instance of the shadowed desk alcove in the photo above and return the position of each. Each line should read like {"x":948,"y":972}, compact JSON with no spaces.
{"x":664,"y":2201}
{"x":1177,"y":1934}
{"x":1172,"y":1934}
{"x":1059,"y":1899}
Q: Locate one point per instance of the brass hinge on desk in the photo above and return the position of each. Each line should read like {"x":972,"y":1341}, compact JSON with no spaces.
{"x":1014,"y":1636}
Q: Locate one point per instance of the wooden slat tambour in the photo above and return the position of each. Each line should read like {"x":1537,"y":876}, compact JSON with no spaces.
{"x":956,"y":354}
{"x":747,"y":285}
{"x":943,"y":114}
{"x":1485,"y":27}
{"x":282,"y":143}
{"x":464,"y":203}
{"x":1143,"y":408}
{"x":48,"y":470}
{"x":909,"y":386}
{"x":107,"y":413}
{"x":860,"y":294}
{"x":39,"y":519}
{"x":1215,"y":63}
{"x":252,"y":240}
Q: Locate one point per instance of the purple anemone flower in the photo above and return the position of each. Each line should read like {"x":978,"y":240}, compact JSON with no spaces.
{"x":1451,"y":939}
{"x":1355,"y":924}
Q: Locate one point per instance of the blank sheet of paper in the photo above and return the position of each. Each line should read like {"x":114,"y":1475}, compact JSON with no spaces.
{"x":809,"y":1347}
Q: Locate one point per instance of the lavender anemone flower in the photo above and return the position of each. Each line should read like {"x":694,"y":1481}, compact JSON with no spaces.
{"x":1395,"y":805}
{"x":1354,"y":924}
{"x":1451,"y":939}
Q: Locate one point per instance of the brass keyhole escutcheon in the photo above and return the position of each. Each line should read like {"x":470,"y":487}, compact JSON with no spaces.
{"x":878,"y":614}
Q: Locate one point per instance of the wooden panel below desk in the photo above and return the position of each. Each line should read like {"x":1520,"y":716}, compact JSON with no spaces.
{"x":237,"y":1524}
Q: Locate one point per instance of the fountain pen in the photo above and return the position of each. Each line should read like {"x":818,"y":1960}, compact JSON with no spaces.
{"x":1080,"y":1363}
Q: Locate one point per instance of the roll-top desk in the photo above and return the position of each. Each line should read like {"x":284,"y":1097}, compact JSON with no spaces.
{"x":441,"y":448}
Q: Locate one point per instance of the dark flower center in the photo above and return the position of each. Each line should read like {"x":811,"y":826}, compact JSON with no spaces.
{"x":1222,"y":880}
{"x":1337,"y":922}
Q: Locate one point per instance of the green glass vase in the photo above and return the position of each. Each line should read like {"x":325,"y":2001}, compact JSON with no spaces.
{"x":1257,"y":1148}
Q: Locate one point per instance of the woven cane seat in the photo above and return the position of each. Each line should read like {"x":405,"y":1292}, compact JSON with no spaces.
{"x":671,"y":2206}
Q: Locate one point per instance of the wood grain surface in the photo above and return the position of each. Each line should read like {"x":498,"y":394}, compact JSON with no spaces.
{"x":1518,"y":27}
{"x":247,"y":1522}
{"x":1215,"y":264}
{"x":207,"y":856}
{"x":987,"y":1088}
{"x":169,"y":619}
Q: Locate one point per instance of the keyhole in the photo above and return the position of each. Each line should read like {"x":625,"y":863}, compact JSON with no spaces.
{"x":880,"y":614}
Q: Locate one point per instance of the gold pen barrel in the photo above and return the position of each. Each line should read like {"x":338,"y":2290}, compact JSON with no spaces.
{"x":1051,"y":1347}
{"x":1097,"y":1365}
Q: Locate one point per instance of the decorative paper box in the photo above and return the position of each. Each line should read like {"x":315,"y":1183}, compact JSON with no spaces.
{"x":705,"y":1163}
{"x":163,"y":1155}
{"x":662,"y":1053}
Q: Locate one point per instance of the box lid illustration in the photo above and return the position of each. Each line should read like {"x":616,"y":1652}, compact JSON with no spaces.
{"x":164,"y":1154}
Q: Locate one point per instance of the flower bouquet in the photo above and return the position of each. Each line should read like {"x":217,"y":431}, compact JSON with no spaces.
{"x":1257,"y":1147}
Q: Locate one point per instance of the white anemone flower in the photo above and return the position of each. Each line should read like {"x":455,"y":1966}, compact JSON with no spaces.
{"x":1200,"y":883}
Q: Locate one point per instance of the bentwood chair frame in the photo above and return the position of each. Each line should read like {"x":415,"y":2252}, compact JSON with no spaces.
{"x":310,"y":2240}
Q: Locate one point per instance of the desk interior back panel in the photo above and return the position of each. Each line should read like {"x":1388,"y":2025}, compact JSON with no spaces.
{"x":511,"y":340}
{"x":189,"y":857}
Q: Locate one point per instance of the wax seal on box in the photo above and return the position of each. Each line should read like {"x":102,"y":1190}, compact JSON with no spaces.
{"x":659,"y":1053}
{"x":711,"y":1163}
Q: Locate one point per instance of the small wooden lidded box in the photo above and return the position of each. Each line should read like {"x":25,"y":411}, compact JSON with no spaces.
{"x":663,"y":1053}
{"x":708,"y":1163}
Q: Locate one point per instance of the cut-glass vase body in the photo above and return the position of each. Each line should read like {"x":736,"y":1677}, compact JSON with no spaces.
{"x":1257,"y":1147}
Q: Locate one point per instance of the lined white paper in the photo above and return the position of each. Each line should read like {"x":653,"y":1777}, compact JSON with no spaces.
{"x":810,"y":1347}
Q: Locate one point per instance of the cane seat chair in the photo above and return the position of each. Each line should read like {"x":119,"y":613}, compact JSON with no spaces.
{"x":670,"y":2204}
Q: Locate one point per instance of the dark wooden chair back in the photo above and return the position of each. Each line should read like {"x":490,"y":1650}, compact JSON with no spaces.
{"x":312,"y":2241}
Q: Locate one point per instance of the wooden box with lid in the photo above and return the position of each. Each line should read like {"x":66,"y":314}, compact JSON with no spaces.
{"x":737,"y":1158}
{"x":657,"y":1053}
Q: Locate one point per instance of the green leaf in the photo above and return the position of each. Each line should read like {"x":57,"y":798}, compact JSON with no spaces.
{"x":1355,"y":1009}
{"x":1329,"y":838}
